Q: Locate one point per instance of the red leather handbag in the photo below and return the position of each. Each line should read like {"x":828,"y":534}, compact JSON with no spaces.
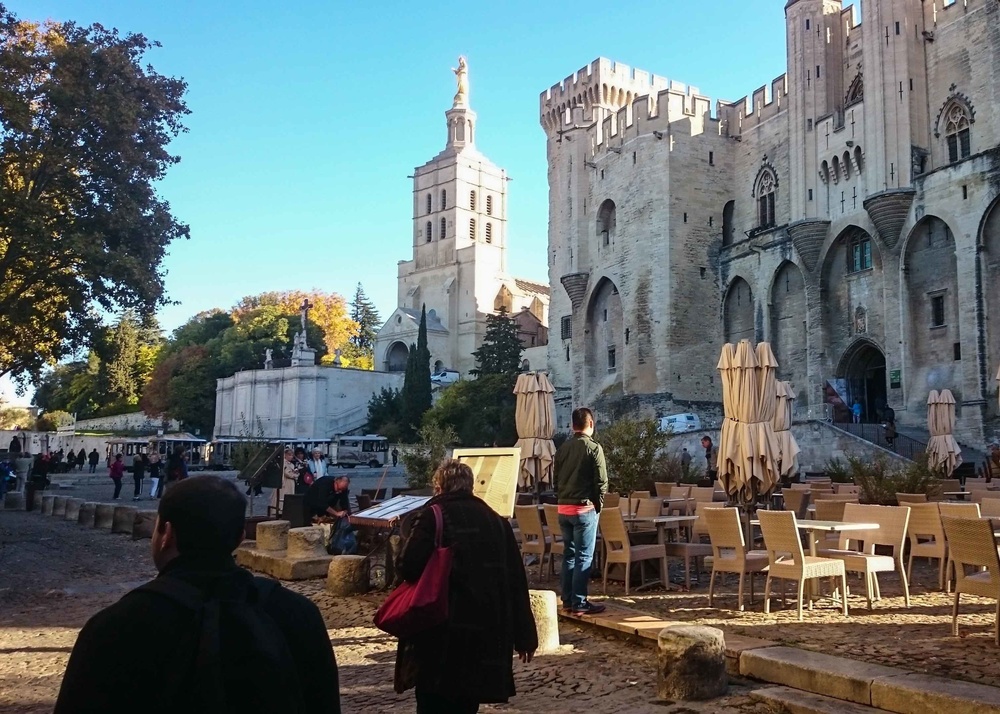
{"x":413,"y":608}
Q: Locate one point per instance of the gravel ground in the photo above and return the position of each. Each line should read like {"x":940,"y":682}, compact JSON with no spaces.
{"x":54,"y":575}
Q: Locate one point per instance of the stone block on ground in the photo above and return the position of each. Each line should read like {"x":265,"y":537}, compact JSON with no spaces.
{"x":13,"y":501}
{"x":348,"y":575}
{"x":59,"y":506}
{"x":838,"y":677}
{"x":276,"y":565}
{"x":47,"y":503}
{"x":104,"y":516}
{"x":915,"y":693}
{"x":73,"y":509}
{"x":306,"y":542}
{"x":691,"y":663}
{"x":88,"y":511}
{"x":546,"y":612}
{"x":272,"y":535}
{"x":123,"y":519}
{"x":142,"y":526}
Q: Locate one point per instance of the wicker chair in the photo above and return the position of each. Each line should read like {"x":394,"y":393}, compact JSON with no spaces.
{"x":684,"y":508}
{"x":663,"y":489}
{"x":942,"y":486}
{"x":990,"y":506}
{"x":927,"y":537}
{"x":959,"y":510}
{"x":695,"y":549}
{"x":902,"y":498}
{"x":891,"y":532}
{"x":551,"y":512}
{"x":786,"y":561}
{"x":729,"y":554}
{"x":972,"y":545}
{"x":703,"y":494}
{"x":533,"y":538}
{"x":611,"y":500}
{"x":618,"y":548}
{"x":797,"y":501}
{"x":830,"y":510}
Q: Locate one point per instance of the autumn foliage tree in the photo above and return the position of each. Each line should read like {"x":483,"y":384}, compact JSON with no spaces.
{"x":85,"y":123}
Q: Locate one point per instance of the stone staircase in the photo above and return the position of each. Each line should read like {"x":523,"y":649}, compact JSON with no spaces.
{"x":909,"y":442}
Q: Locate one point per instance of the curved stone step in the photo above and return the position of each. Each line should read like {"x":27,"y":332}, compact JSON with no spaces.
{"x":785,"y":700}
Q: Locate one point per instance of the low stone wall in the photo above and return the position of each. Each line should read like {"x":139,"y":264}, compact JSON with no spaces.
{"x":820,"y":442}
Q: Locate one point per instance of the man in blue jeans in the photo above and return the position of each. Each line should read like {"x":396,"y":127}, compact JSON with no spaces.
{"x":581,"y":480}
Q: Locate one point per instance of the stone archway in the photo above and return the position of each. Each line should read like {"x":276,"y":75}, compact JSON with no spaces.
{"x":396,"y":356}
{"x":989,"y":242}
{"x":788,"y":324}
{"x":861,"y":377}
{"x":738,"y":313}
{"x":605,"y":345}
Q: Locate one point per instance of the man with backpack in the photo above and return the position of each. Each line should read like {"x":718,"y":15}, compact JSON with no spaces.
{"x":205,"y":635}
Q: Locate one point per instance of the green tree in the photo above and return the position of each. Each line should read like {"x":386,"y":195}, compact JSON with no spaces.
{"x":631,"y":447}
{"x":385,"y":414}
{"x":416,"y":394}
{"x":50,"y":421}
{"x":361,"y":350}
{"x":423,"y":459}
{"x":328,"y":313}
{"x":121,"y":372}
{"x":501,"y":350}
{"x":480,"y":411}
{"x":84,"y":126}
{"x":73,"y":387}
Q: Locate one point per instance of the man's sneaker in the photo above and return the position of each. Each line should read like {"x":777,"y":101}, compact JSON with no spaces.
{"x":589,"y":608}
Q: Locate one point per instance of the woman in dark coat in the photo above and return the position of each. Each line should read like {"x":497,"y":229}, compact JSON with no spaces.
{"x":468,"y":660}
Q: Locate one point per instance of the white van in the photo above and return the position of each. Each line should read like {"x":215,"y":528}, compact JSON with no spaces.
{"x":680,"y":423}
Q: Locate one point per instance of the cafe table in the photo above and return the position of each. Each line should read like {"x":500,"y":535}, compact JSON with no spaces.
{"x":663,"y":524}
{"x":958,"y":495}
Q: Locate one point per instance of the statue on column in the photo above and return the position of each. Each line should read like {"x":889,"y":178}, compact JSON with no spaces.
{"x":268,"y":362}
{"x":462,"y":80}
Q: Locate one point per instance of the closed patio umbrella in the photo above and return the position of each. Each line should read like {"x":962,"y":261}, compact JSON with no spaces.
{"x":782,"y":423}
{"x":748,"y":466}
{"x":534,"y":417}
{"x":943,"y":452}
{"x":728,"y":378}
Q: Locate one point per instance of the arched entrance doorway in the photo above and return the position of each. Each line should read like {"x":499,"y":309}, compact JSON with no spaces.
{"x":395,"y":357}
{"x":861,"y":378}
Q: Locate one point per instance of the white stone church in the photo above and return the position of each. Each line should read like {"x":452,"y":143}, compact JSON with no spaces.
{"x":458,"y":269}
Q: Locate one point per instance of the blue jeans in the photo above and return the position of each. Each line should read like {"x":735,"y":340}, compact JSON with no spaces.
{"x":579,"y":539}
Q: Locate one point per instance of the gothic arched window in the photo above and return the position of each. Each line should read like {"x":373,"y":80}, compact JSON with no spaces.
{"x":859,"y":253}
{"x":606,"y":222}
{"x":444,"y":199}
{"x":429,"y":206}
{"x":767,"y":185}
{"x":444,"y":229}
{"x":957,"y":132}
{"x":429,"y":235}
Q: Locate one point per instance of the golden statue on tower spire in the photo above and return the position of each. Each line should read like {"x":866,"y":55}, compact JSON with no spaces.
{"x":462,"y":79}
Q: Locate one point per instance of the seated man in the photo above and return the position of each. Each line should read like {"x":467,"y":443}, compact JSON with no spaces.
{"x":328,"y":499}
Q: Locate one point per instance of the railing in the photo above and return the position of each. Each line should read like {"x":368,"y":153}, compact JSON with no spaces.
{"x":905,"y":446}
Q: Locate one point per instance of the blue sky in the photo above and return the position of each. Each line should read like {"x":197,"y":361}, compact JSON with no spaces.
{"x":308,"y":116}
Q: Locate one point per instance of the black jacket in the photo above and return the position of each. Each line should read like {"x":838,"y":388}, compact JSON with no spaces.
{"x":123,"y":652}
{"x":470,"y":657}
{"x":579,"y":473}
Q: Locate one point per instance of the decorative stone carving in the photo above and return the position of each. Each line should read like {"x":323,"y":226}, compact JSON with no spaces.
{"x":462,"y":83}
{"x":888,"y":211}
{"x":575,"y":285}
{"x":807,"y":237}
{"x":860,"y":321}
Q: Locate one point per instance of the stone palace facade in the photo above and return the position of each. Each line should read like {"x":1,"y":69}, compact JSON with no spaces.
{"x":848,"y":212}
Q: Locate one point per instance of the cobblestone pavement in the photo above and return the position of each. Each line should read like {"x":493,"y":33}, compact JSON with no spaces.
{"x":54,"y":575}
{"x":917,"y":638}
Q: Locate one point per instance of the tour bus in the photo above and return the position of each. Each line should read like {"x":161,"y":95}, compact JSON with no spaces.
{"x":163,"y":445}
{"x":221,"y":450}
{"x":350,"y":451}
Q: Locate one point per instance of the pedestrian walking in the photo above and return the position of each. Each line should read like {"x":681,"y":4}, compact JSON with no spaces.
{"x":116,"y":472}
{"x":139,"y":464}
{"x":176,"y":467}
{"x":93,"y":458}
{"x":395,"y":456}
{"x":685,"y":461}
{"x":154,"y":474}
{"x":581,"y":481}
{"x":856,"y":412}
{"x":467,"y":660}
{"x":81,"y":458}
{"x":217,"y":629}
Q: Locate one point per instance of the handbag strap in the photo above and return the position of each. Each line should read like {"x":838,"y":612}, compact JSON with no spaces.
{"x":438,"y":525}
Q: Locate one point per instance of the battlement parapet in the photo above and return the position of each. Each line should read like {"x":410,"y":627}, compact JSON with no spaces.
{"x":766,"y":102}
